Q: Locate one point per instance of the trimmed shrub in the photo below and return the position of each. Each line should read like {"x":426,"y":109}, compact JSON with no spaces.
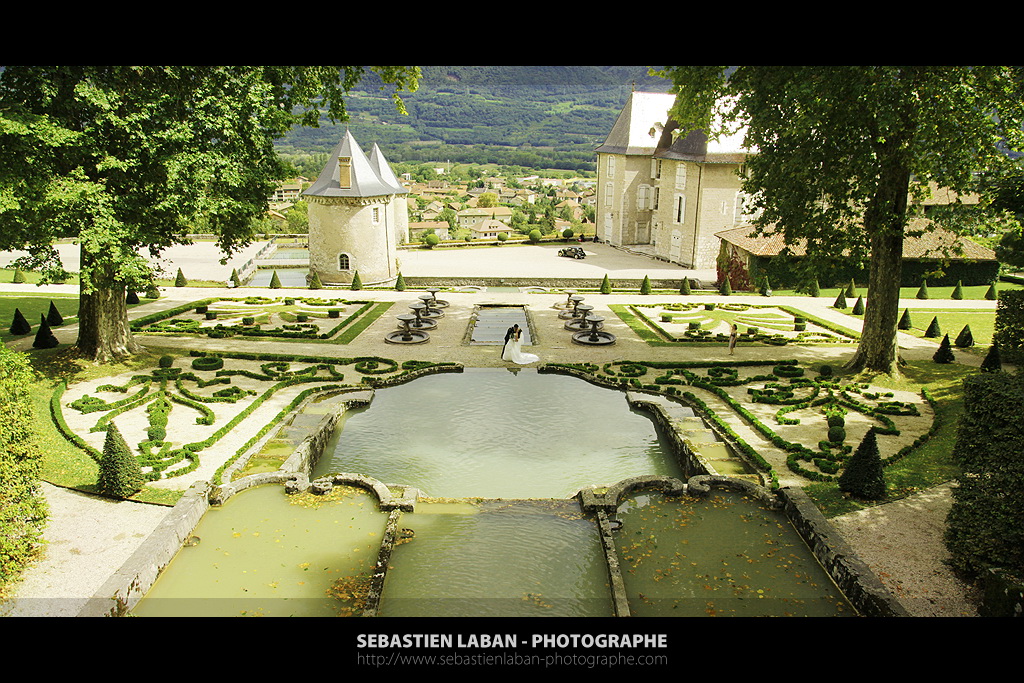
{"x":958,"y":291}
{"x":152,"y":292}
{"x":840,"y":301}
{"x":922,"y":293}
{"x":825,"y":371}
{"x":535,"y":236}
{"x":933,"y":331}
{"x":275,"y":281}
{"x":166,"y":361}
{"x":944,"y":354}
{"x":684,"y":287}
{"x":1009,"y":328}
{"x":357,"y":283}
{"x":314,"y":282}
{"x":19,"y":277}
{"x":766,"y":288}
{"x":985,"y":527}
{"x":211,"y":315}
{"x":863,"y":476}
{"x":235,"y":280}
{"x":120,"y":474}
{"x":836,"y":434}
{"x":725,"y":289}
{"x":992,"y":363}
{"x":179,"y":279}
{"x":23,"y":509}
{"x":991,"y":294}
{"x":54,"y":317}
{"x":606,"y":285}
{"x":400,"y":282}
{"x":815,"y":290}
{"x":208,"y":363}
{"x":567,"y":233}
{"x":19,"y":325}
{"x":858,"y":308}
{"x":131,"y":298}
{"x":965,"y":339}
{"x":503,"y":237}
{"x":431,"y":240}
{"x":44,"y":336}
{"x":645,"y":286}
{"x":905,"y":322}
{"x":851,"y":289}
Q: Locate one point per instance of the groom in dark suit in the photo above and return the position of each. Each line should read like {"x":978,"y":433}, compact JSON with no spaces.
{"x":508,"y":335}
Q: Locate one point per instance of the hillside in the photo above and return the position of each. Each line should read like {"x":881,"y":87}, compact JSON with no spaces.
{"x":534,"y":116}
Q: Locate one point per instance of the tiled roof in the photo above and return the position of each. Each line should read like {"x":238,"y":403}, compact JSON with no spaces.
{"x":935,"y":243}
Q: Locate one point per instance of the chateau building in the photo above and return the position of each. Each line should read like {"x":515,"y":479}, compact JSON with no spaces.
{"x":357,"y":215}
{"x":670,"y":194}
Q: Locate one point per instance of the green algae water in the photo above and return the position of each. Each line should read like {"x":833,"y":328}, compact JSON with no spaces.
{"x":492,"y":433}
{"x":265,"y":553}
{"x":724,"y":555}
{"x":497,"y":559}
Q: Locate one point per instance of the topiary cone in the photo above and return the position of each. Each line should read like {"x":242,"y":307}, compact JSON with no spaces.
{"x":958,"y":291}
{"x":933,"y":331}
{"x":54,"y":317}
{"x":858,"y":308}
{"x":684,"y":288}
{"x":44,"y":336}
{"x":944,"y":354}
{"x":356,"y":282}
{"x":965,"y":339}
{"x":922,"y":293}
{"x":992,"y":362}
{"x":19,"y":325}
{"x":863,"y":476}
{"x":606,"y":285}
{"x":275,"y":281}
{"x":645,"y":286}
{"x":120,"y":474}
{"x":905,"y":323}
{"x":840,"y":301}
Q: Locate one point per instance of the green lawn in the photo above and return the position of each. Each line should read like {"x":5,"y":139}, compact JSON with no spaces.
{"x":929,"y":465}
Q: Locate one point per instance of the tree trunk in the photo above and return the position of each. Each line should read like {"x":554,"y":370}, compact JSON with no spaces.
{"x":878,"y":350}
{"x":103,"y":332}
{"x":884,"y":222}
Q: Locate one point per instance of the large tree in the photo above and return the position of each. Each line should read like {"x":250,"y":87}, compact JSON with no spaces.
{"x":125,"y":159}
{"x":840,"y":152}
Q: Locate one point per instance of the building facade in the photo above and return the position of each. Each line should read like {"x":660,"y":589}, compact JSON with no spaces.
{"x":357,"y":215}
{"x":668,"y":193}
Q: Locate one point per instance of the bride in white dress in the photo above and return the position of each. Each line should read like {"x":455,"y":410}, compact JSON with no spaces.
{"x":513,"y":348}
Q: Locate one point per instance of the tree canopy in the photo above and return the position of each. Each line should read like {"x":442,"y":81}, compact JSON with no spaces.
{"x":841,"y":151}
{"x":128,"y":158}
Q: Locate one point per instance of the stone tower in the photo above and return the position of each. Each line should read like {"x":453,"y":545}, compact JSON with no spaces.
{"x":357,"y":209}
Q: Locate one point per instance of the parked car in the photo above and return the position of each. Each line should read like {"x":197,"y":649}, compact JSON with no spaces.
{"x":572,"y":252}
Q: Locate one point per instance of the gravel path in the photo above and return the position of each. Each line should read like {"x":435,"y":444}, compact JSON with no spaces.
{"x":88,"y":538}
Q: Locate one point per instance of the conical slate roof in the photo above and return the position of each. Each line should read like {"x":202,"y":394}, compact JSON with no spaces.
{"x":383,"y":170}
{"x":638,"y":127}
{"x":364,"y":179}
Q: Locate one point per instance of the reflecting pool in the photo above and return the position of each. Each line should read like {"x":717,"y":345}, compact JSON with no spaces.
{"x":492,"y":433}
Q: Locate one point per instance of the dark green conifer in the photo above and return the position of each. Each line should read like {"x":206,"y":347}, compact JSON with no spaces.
{"x":851,"y":289}
{"x":645,"y":286}
{"x":606,"y":285}
{"x":725,"y":289}
{"x":905,"y":322}
{"x":965,"y":339}
{"x":863,"y":476}
{"x":400,"y":283}
{"x":120,"y":473}
{"x":132,"y":297}
{"x":314,"y":282}
{"x":684,"y":286}
{"x":179,"y":279}
{"x":44,"y":336}
{"x":992,"y":362}
{"x":858,"y":308}
{"x":54,"y":317}
{"x":235,"y":280}
{"x":922,"y":293}
{"x":992,"y":294}
{"x":944,"y":354}
{"x":19,"y":277}
{"x":933,"y":331}
{"x":275,"y":281}
{"x":958,"y":291}
{"x":357,"y":284}
{"x":815,"y":289}
{"x":840,"y":301}
{"x":19,"y":325}
{"x":766,"y":288}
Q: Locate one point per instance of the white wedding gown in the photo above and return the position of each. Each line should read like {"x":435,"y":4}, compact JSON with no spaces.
{"x":514,"y":353}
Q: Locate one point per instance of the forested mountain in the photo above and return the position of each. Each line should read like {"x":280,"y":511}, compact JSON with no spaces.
{"x":532,"y":116}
